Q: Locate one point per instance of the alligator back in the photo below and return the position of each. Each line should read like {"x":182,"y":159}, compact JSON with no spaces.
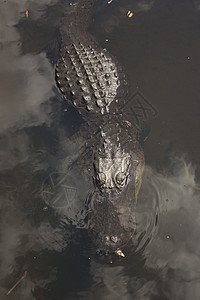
{"x":87,"y":75}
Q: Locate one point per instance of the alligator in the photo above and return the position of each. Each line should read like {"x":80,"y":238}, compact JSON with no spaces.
{"x":92,"y":80}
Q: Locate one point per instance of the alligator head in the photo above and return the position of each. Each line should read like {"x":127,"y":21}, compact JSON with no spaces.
{"x":111,"y":168}
{"x":111,"y":208}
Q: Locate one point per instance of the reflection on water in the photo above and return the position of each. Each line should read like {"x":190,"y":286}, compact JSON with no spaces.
{"x":26,"y":80}
{"x":161,"y":259}
{"x":45,"y":234}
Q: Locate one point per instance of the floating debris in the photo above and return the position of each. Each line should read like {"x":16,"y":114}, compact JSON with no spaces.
{"x":17,"y":283}
{"x":120,"y":253}
{"x":128,"y":123}
{"x":130,"y":14}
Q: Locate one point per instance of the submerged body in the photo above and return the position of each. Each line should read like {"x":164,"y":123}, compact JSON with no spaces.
{"x":93,"y":81}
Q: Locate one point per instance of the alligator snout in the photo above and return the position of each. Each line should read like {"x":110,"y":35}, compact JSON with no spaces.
{"x":110,"y":222}
{"x":111,"y":246}
{"x":111,"y":240}
{"x":107,"y":244}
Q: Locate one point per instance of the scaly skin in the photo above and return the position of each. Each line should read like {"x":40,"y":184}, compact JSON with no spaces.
{"x":91,"y":79}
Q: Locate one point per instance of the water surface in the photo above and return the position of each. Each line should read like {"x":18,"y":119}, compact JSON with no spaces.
{"x":159,"y":49}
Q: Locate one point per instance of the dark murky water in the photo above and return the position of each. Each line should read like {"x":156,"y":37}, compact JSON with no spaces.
{"x":159,"y":49}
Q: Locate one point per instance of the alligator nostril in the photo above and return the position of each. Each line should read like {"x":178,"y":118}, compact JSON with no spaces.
{"x":107,"y":238}
{"x":114,"y":239}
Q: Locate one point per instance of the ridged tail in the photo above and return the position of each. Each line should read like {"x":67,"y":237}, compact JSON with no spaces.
{"x":75,"y":21}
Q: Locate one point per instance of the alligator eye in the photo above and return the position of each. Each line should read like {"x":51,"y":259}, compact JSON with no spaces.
{"x":120,"y":178}
{"x":101,"y":178}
